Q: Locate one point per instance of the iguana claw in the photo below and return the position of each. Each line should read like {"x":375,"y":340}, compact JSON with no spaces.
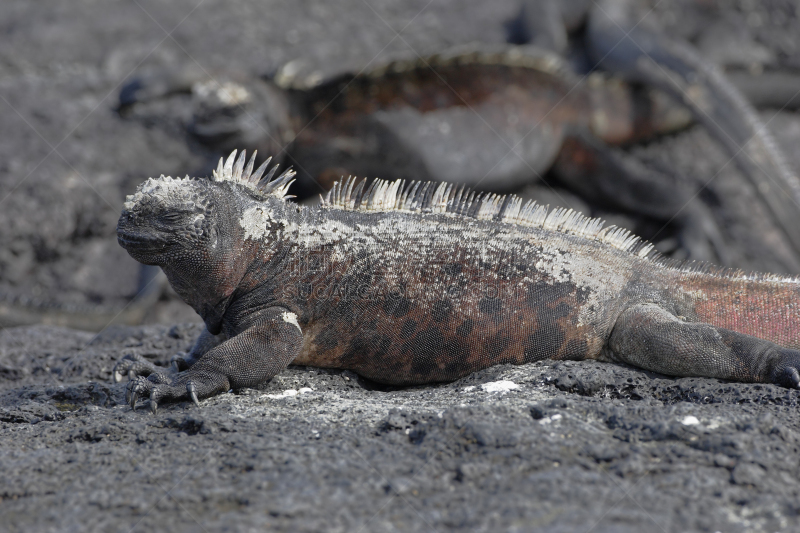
{"x":134,"y":365}
{"x":793,"y":378}
{"x":157,"y":391}
{"x":178,"y":362}
{"x":192,"y":390}
{"x":137,"y":388}
{"x":153,"y":405}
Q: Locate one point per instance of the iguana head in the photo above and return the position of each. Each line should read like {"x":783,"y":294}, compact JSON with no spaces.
{"x":168,"y":218}
{"x":196,"y":229}
{"x":201,"y":230}
{"x":171,"y":220}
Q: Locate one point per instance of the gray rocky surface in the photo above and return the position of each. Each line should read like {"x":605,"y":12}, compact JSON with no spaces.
{"x":553,"y":446}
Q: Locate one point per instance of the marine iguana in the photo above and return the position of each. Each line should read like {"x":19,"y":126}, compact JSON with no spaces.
{"x":495,"y":117}
{"x":455,"y":116}
{"x":448,"y":116}
{"x":427,"y":282}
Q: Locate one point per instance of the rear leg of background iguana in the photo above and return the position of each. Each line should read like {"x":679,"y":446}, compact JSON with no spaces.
{"x":607,"y":175}
{"x":622,"y":45}
{"x":649,"y":337}
{"x":252,"y":357}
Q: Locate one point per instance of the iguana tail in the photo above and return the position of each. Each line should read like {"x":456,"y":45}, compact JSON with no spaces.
{"x":762,"y":305}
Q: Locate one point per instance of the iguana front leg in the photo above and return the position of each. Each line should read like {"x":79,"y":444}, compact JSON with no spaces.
{"x":255,"y":355}
{"x":204,"y":343}
{"x":649,"y":337}
{"x":133,"y":365}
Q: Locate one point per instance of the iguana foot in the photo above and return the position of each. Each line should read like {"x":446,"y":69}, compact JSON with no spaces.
{"x":133,"y":365}
{"x":158,"y":392}
{"x":787,"y":370}
{"x":177,"y":387}
{"x":651,"y":337}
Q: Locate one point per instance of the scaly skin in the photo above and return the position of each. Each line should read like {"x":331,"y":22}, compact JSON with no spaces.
{"x":429,"y":285}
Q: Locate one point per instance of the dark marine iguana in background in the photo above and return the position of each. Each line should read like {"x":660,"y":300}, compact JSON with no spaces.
{"x":496,"y":118}
{"x":429,"y":282}
{"x":487,"y":116}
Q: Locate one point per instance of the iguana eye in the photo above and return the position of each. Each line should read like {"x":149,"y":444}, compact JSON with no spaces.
{"x":171,"y":217}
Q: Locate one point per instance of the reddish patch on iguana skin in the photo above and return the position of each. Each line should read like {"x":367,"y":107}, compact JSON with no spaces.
{"x":345,"y":134}
{"x":427,"y":89}
{"x":767,"y":309}
{"x":615,"y":111}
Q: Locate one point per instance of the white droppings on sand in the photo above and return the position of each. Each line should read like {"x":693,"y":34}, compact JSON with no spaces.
{"x":288,"y":393}
{"x":550,"y":419}
{"x":502,"y":386}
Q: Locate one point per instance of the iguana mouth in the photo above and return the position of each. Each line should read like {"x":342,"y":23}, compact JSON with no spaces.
{"x":140,"y":242}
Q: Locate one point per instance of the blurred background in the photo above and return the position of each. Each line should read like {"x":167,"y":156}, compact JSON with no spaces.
{"x":70,"y":153}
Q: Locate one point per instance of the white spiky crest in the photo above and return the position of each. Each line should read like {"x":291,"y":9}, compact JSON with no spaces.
{"x":233,"y":169}
{"x":458,"y":200}
{"x":447,"y":198}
